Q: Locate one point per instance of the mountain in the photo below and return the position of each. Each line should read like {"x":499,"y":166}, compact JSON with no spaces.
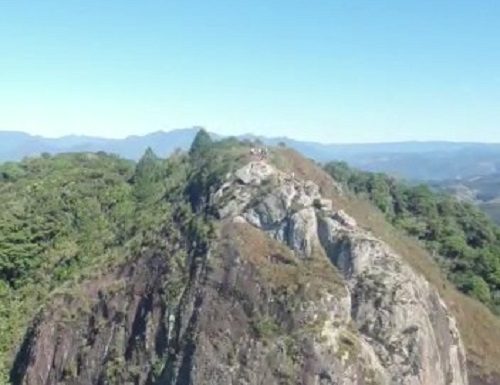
{"x":16,"y":145}
{"x":428,"y":161}
{"x":220,"y":266}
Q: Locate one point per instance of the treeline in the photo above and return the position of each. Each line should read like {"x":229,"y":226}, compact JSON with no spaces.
{"x":463,"y":239}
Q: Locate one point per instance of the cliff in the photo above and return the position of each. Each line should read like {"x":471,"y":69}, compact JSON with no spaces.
{"x":287,"y":289}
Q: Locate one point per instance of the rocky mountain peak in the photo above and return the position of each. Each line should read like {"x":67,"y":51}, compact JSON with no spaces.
{"x":281,"y":286}
{"x":401,"y":322}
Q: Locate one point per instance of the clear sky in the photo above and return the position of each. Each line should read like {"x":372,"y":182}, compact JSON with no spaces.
{"x":332,"y":71}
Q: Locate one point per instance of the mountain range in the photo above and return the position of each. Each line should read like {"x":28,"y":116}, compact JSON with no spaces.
{"x":409,"y":160}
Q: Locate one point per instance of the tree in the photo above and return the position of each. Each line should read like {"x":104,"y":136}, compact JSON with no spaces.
{"x":340,"y":171}
{"x":201,"y":143}
{"x":147,"y":173}
{"x":479,"y":289}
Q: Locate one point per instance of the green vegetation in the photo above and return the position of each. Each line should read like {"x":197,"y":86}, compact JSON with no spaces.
{"x":482,"y":190}
{"x":202,"y":143}
{"x":59,"y":216}
{"x":464,"y":241}
{"x":266,"y":328}
{"x":72,"y":216}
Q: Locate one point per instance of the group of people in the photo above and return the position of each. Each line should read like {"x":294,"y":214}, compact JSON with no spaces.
{"x":259,"y":152}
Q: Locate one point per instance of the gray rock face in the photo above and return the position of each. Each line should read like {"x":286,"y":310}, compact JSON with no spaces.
{"x":254,"y":173}
{"x":396,"y":310}
{"x":300,"y":340}
{"x":406,"y":332}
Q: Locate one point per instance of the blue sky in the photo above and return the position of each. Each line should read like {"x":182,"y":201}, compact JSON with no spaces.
{"x":332,"y":71}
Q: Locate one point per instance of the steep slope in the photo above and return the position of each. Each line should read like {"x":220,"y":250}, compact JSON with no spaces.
{"x":462,"y":239}
{"x":422,"y":213}
{"x":423,"y":348}
{"x":58,"y":217}
{"x":269,"y":282}
{"x":70,"y":218}
{"x":479,"y":328}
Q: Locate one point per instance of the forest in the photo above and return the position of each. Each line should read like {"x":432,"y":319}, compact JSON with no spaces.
{"x":68,"y":217}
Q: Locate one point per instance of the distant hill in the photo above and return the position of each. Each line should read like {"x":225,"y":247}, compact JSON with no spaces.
{"x":17,"y":145}
{"x":429,"y":161}
{"x":483,"y":190}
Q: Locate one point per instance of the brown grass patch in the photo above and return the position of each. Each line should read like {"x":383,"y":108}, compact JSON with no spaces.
{"x":280,"y":267}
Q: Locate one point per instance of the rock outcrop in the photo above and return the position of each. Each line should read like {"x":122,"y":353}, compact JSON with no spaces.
{"x":396,"y":312}
{"x":291,"y":291}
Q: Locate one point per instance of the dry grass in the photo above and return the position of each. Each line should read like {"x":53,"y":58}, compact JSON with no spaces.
{"x":279,"y":266}
{"x":480,"y":329}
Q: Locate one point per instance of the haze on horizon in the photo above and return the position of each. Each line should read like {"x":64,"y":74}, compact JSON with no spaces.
{"x":327,"y":71}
